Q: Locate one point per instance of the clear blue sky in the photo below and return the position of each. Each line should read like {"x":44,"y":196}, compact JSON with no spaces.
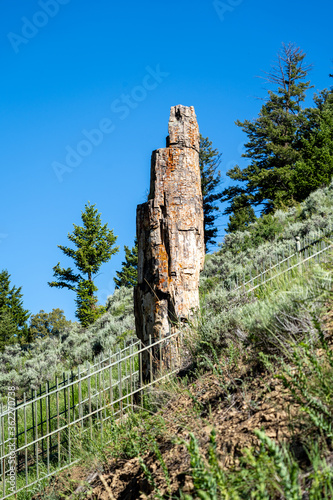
{"x":68,"y":67}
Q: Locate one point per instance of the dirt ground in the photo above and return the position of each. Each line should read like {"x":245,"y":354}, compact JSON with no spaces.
{"x":234,"y":403}
{"x":234,"y":407}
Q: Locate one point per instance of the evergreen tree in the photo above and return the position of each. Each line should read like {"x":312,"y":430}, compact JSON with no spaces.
{"x":13,"y":317}
{"x":209,"y":161}
{"x":45,"y":324}
{"x":8,"y":330}
{"x":315,"y":168}
{"x":128,"y":276}
{"x":94,"y":244}
{"x":241,"y":214}
{"x":274,"y":145}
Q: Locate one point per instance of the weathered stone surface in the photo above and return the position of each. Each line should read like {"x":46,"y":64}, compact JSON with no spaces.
{"x":170,"y":238}
{"x":183,"y":128}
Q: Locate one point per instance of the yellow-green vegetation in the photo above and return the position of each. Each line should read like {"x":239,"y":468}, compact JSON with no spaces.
{"x":252,"y":415}
{"x":268,"y":388}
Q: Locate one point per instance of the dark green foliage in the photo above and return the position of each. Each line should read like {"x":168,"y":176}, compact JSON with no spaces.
{"x":87,"y":310}
{"x":13,"y":317}
{"x":267,"y":228}
{"x":128,"y":276}
{"x":95,"y":245}
{"x":315,"y":168}
{"x":290,"y":149}
{"x":242,"y":214}
{"x":45,"y":324}
{"x":8,"y":329}
{"x":209,"y":161}
{"x":263,"y":475}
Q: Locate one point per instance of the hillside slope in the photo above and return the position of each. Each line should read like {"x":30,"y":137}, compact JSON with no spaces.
{"x":173,"y":452}
{"x":242,"y":254}
{"x":252,"y":417}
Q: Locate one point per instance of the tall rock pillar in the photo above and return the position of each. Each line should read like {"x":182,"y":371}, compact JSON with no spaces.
{"x":170,"y":236}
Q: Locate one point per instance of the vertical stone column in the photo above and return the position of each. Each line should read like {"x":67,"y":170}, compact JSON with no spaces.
{"x":170,"y":236}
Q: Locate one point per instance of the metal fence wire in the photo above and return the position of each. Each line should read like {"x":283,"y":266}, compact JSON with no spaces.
{"x":305,"y":250}
{"x":37,"y":431}
{"x":46,"y":421}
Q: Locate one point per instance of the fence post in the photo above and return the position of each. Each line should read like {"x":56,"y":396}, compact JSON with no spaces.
{"x":150,"y":359}
{"x":36,"y":433}
{"x":100,"y":397}
{"x":110,"y":382}
{"x":25,"y":440}
{"x":89,"y":401}
{"x":131,"y":371}
{"x":58,"y":420}
{"x":41,"y":419}
{"x":104,"y":392}
{"x":126,"y":373}
{"x":140,"y":395}
{"x":298,"y":246}
{"x":3,"y":463}
{"x":16,"y":423}
{"x":120,"y":388}
{"x":48,"y":422}
{"x":80,"y":398}
{"x":73,"y":398}
{"x":64,"y":384}
{"x":69,"y":420}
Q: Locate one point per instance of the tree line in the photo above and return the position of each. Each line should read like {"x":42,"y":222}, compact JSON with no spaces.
{"x":289,"y":152}
{"x":289,"y":148}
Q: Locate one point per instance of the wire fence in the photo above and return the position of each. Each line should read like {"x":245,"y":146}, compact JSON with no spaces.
{"x":305,"y":250}
{"x":37,"y":433}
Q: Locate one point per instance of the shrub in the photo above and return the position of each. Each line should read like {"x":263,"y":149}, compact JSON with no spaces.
{"x":310,"y":380}
{"x":45,"y":358}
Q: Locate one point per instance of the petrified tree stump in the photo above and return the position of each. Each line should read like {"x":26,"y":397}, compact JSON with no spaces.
{"x":171,"y":246}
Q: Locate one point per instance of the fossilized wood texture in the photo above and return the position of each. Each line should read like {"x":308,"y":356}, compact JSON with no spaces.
{"x":170,"y":238}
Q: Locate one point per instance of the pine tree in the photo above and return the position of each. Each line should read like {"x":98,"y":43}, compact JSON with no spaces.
{"x":45,"y":324}
{"x":274,"y":145}
{"x":241,"y":214}
{"x":128,"y":276}
{"x":209,"y":161}
{"x":8,"y":330}
{"x":315,"y":168}
{"x":13,"y":317}
{"x":94,"y":246}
